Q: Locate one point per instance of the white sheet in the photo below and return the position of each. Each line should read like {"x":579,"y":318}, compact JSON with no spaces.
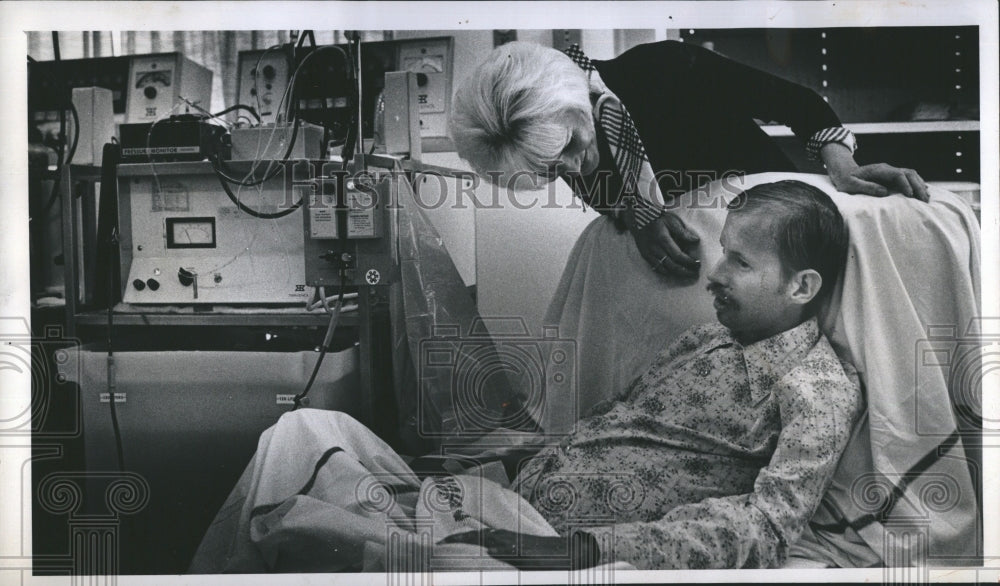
{"x":329,"y":496}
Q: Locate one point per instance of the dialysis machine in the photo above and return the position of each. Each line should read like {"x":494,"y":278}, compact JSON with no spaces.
{"x":230,"y":273}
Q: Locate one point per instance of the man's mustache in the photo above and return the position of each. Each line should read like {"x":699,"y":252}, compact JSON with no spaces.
{"x":717,"y":290}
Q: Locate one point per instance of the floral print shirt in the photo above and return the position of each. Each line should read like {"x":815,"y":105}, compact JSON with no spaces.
{"x":716,"y":457}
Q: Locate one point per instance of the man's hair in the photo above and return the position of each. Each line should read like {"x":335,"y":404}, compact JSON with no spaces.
{"x":806,"y":227}
{"x":512,"y":113}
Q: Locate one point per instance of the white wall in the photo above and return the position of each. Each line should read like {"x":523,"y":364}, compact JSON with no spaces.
{"x":521,"y":253}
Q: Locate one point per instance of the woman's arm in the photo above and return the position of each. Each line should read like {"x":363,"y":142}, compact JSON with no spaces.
{"x":768,"y":97}
{"x":877,"y":180}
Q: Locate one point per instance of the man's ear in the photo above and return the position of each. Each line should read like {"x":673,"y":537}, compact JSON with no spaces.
{"x":804,"y":286}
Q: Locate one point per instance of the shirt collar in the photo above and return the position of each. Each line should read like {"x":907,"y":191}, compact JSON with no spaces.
{"x":768,"y":360}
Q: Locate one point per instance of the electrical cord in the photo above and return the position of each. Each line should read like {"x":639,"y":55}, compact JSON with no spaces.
{"x":277,"y":118}
{"x":69,"y":159}
{"x":218,"y":165}
{"x":243,"y":107}
{"x":113,"y":243}
{"x":334,"y":317}
{"x":292,"y":109}
{"x":232,"y":197}
{"x":223,"y":173}
{"x":347,"y":153}
{"x":107,"y":171}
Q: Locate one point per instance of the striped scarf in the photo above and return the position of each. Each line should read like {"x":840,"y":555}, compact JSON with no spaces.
{"x":640,"y":191}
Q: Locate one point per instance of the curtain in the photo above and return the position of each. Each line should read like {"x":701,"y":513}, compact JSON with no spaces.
{"x":216,"y":50}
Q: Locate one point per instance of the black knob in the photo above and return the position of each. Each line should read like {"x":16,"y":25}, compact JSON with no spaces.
{"x":268,"y":71}
{"x":185,"y":276}
{"x":153,"y":284}
{"x":421,"y":79}
{"x":139,"y":284}
{"x":150,"y":92}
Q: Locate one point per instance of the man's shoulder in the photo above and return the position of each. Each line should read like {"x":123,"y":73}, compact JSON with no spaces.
{"x":823,"y":358}
{"x":822,"y":375}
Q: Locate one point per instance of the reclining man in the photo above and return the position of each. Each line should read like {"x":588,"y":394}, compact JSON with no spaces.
{"x":736,"y":429}
{"x":731,"y":436}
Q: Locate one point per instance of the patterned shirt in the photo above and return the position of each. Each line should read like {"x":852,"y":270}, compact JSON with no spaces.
{"x":716,"y":457}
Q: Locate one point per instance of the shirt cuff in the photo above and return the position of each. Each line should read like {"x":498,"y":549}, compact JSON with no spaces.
{"x":643,"y":213}
{"x":837,"y":134}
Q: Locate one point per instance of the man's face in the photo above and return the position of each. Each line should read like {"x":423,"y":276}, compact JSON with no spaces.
{"x":752,"y":294}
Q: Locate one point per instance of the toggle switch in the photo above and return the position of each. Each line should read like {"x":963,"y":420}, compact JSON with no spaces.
{"x":185,"y":276}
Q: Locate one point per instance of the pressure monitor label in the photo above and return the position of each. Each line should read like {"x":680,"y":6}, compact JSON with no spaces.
{"x":360,"y":215}
{"x":322,"y":219}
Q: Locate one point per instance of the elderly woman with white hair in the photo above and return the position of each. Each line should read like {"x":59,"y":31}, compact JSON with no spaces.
{"x":630,"y":133}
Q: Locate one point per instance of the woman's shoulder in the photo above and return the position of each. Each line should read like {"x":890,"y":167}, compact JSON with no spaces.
{"x":658,"y":55}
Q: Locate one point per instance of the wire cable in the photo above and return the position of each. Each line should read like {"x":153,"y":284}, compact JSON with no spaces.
{"x":243,"y":107}
{"x":110,"y":161}
{"x":244,"y":207}
{"x":219,"y":166}
{"x":56,"y":191}
{"x":111,"y":367}
{"x":334,"y":317}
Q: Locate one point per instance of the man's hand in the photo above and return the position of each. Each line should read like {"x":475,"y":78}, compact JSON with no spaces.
{"x":666,"y":244}
{"x":877,"y":180}
{"x":533,"y":552}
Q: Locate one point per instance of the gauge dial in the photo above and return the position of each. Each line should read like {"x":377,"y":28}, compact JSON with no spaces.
{"x":190,"y":232}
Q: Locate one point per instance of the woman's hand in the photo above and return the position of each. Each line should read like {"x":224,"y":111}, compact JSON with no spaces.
{"x":877,"y":180}
{"x":533,"y":552}
{"x":666,"y":244}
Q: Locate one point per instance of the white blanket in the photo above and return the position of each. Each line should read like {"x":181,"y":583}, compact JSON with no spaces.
{"x":912,"y":267}
{"x":325,"y":494}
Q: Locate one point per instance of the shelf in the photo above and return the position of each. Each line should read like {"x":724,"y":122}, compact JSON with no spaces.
{"x":85,"y":172}
{"x":319,"y":318}
{"x":862,"y":128}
